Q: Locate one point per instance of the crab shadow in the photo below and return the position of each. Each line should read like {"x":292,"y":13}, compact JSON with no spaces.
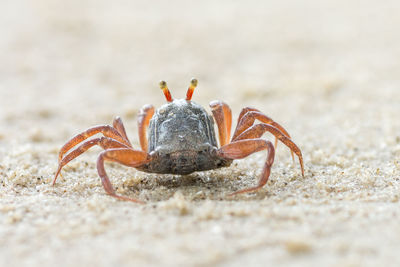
{"x":212,"y":185}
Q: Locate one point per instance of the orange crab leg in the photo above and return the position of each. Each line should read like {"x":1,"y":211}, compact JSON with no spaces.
{"x":145,"y":114}
{"x":223,"y":116}
{"x":104,"y":142}
{"x":244,"y":111}
{"x":128,"y":157}
{"x":243,"y":148}
{"x":258,"y":130}
{"x":247,"y":118}
{"x":106,"y":130}
{"x":117,"y":124}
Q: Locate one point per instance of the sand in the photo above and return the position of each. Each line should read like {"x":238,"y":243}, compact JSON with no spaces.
{"x":328,"y":71}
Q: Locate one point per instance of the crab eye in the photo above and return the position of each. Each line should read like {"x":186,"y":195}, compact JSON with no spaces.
{"x":193,"y":84}
{"x":167,"y":93}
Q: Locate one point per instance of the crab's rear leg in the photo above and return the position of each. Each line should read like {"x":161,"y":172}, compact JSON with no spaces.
{"x":247,"y":118}
{"x":106,"y":130}
{"x":244,"y":111}
{"x":256,"y":131}
{"x":119,"y":126}
{"x":104,"y":142}
{"x":243,"y":148}
{"x":125,"y":156}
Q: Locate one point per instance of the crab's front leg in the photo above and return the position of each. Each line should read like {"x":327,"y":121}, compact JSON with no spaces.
{"x":243,"y":148}
{"x":125,"y":156}
{"x":223,"y":116}
{"x":145,"y":114}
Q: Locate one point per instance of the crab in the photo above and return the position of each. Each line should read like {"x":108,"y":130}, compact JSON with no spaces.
{"x":181,"y":140}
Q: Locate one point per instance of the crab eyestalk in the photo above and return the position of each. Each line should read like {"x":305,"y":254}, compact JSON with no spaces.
{"x":167,"y":93}
{"x":193,"y":84}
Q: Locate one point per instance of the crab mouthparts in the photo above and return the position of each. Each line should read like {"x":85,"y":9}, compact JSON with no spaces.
{"x":183,"y":158}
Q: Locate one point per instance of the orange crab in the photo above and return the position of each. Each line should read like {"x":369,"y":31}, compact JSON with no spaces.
{"x":181,"y":140}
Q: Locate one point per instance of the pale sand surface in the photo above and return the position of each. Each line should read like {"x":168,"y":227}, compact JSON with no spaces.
{"x":329,"y":72}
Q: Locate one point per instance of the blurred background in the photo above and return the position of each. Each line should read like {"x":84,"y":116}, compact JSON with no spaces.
{"x":328,"y":71}
{"x":91,"y":59}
